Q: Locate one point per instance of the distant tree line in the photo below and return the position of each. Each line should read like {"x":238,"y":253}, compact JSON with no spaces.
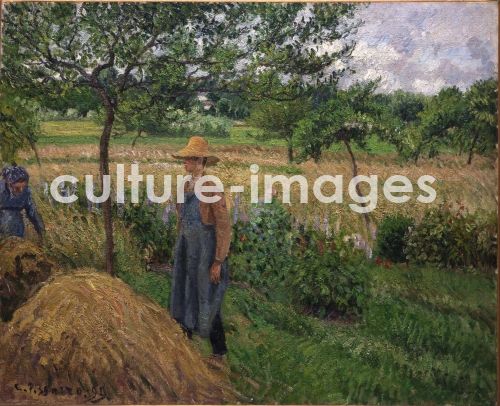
{"x":416,"y":124}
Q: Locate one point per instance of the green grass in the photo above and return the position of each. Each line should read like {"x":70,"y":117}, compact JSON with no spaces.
{"x":425,"y":337}
{"x":85,"y":131}
{"x":374,"y":146}
{"x":82,"y":132}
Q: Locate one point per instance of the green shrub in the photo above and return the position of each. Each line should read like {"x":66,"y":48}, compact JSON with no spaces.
{"x":296,"y":266}
{"x":262,"y":246}
{"x":154,"y":236}
{"x":310,"y":240}
{"x":184,"y":124}
{"x":326,"y":284}
{"x":391,"y":237}
{"x":454,"y":239}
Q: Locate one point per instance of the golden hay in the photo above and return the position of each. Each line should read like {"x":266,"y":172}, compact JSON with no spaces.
{"x":88,"y":337}
{"x":23,"y":268}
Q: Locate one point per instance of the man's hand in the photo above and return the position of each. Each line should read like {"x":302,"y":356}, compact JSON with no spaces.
{"x":215,"y":272}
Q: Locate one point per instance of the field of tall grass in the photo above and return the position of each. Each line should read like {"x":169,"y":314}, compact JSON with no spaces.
{"x":71,"y":147}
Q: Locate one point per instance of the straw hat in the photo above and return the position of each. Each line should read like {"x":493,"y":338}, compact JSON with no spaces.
{"x":197,"y":147}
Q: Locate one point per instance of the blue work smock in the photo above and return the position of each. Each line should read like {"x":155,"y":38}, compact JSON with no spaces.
{"x":195,"y":300}
{"x":11,"y":207}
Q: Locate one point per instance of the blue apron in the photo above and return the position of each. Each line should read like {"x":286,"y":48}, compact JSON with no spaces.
{"x":195,"y":300}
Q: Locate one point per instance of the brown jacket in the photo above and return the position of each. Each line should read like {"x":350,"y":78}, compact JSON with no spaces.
{"x":216,"y":214}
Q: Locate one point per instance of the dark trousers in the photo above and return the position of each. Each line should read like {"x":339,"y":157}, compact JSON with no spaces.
{"x":217,"y":336}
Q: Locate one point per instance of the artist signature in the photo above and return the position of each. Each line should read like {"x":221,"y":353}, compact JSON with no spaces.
{"x":94,"y":395}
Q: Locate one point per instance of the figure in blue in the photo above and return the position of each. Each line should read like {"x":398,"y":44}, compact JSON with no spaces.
{"x":15,"y":197}
{"x":201,"y":268}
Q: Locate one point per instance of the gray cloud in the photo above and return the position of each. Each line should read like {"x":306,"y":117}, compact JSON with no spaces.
{"x":426,"y":46}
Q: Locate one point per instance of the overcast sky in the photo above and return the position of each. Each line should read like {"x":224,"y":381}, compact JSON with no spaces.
{"x":424,"y":47}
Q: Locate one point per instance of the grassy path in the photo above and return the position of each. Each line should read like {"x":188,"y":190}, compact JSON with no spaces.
{"x":426,"y":337}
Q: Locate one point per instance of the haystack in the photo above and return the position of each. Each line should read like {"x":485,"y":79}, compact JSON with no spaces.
{"x":23,"y":268}
{"x":88,"y":337}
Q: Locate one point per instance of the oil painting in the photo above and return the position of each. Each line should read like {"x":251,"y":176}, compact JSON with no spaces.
{"x":248,"y":203}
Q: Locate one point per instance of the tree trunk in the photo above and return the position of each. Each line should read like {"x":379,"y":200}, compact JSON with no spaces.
{"x":139,"y":133}
{"x":290,"y":150}
{"x":461,"y":149}
{"x":35,"y":151}
{"x":416,"y":156}
{"x":471,"y":150}
{"x":366,"y":217}
{"x":104,"y":170}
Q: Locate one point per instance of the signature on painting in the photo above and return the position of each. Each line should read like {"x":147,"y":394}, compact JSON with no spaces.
{"x":95,"y":394}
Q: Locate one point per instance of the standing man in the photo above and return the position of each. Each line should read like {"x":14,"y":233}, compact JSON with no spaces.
{"x":200,"y":274}
{"x":15,"y":196}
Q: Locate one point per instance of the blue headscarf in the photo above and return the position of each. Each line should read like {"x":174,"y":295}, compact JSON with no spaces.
{"x":13,"y":174}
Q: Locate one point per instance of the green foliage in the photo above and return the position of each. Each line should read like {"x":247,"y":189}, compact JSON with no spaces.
{"x":454,"y":238}
{"x":72,"y":103}
{"x":283,"y":68}
{"x":480,"y":133}
{"x":442,"y":113}
{"x":261,"y":247}
{"x":165,"y":121}
{"x":302,"y":267}
{"x":229,"y":105}
{"x":154,"y":236}
{"x":418,"y":124}
{"x":157,"y":61}
{"x":391,"y":237}
{"x":401,"y":116}
{"x":278,"y":119}
{"x":406,"y":106}
{"x":326,"y":276}
{"x":348,"y":116}
{"x":19,"y":125}
{"x":181,"y":124}
{"x":326,"y":284}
